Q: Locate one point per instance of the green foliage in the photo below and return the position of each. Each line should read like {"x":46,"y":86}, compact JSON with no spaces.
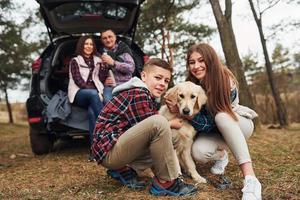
{"x":4,"y":5}
{"x":160,"y":16}
{"x":255,"y":73}
{"x":250,"y":63}
{"x":165,"y":31}
{"x":296,"y":58}
{"x":280,"y":57}
{"x":15,"y":51}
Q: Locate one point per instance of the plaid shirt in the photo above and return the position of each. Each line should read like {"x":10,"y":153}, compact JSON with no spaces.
{"x":204,"y":121}
{"x":125,"y":110}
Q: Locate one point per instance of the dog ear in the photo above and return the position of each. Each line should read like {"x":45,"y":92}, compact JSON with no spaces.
{"x":171,"y":94}
{"x":202,"y":98}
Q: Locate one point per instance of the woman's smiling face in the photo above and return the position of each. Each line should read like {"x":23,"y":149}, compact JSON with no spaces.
{"x":88,"y":47}
{"x":197,"y":65}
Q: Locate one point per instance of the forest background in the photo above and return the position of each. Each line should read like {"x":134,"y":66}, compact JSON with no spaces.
{"x":268,"y":75}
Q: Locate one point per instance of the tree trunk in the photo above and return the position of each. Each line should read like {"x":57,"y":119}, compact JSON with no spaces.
{"x":230,"y":50}
{"x":163,"y":46}
{"x":280,"y":110}
{"x":9,"y":111}
{"x":171,"y":57}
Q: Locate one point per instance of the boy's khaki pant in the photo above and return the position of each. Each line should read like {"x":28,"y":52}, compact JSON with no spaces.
{"x":147,"y":144}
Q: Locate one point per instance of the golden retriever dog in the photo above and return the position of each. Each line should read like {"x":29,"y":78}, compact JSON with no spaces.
{"x":189,"y":98}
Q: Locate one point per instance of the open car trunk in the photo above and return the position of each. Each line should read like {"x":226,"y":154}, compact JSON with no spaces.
{"x":69,"y":17}
{"x":58,"y":69}
{"x":55,"y":77}
{"x":66,"y":20}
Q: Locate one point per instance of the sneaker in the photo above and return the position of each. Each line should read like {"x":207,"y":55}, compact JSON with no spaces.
{"x":127,"y":177}
{"x":177,"y":188}
{"x":220,"y":181}
{"x":220,"y":165}
{"x":252,"y":189}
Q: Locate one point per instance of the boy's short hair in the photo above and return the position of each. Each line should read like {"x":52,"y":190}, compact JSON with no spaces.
{"x":157,"y":62}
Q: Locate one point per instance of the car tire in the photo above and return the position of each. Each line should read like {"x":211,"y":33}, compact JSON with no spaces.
{"x":40,"y":143}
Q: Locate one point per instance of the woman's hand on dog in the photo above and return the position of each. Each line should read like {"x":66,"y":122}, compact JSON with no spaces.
{"x":176,"y":123}
{"x":172,"y":106}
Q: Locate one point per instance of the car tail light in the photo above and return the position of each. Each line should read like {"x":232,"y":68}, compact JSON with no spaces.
{"x":36,"y":65}
{"x":34,"y":120}
{"x":146,"y":58}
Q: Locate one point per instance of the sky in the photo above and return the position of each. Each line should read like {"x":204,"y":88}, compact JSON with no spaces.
{"x":244,"y":27}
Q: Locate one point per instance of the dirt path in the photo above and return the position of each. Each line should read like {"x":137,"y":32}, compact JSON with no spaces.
{"x":66,"y":173}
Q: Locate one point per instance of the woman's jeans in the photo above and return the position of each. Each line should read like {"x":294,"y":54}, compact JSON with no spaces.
{"x":107,"y":93}
{"x":89,"y":98}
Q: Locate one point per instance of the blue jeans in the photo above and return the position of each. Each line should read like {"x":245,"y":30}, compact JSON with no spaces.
{"x":89,"y":98}
{"x":107,"y":93}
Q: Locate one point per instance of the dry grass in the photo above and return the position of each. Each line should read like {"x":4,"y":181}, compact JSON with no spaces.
{"x":19,"y":113}
{"x":66,"y":174}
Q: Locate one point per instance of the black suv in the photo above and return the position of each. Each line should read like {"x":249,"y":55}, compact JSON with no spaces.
{"x":66,"y":21}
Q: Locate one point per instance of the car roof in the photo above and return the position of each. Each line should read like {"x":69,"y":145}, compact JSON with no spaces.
{"x":68,"y":17}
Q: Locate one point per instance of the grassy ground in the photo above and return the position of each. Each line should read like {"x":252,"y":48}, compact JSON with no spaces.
{"x":66,"y":174}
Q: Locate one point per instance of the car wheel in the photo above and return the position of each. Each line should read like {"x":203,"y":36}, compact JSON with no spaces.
{"x":40,"y":143}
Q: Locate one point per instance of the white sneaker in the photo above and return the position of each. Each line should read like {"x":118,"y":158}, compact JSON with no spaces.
{"x":252,"y":188}
{"x":219,"y":166}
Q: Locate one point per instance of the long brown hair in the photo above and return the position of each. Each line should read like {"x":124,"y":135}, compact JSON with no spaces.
{"x":80,"y":45}
{"x":216,"y":82}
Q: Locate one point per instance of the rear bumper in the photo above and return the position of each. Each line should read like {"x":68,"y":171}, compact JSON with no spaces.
{"x":38,"y":121}
{"x":35,"y":108}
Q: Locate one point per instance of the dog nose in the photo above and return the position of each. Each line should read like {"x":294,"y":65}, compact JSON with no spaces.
{"x":186,"y":111}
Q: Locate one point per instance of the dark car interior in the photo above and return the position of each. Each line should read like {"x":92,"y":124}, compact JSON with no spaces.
{"x":58,"y":80}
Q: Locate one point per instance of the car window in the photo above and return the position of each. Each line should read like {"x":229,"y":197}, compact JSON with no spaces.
{"x":95,"y":10}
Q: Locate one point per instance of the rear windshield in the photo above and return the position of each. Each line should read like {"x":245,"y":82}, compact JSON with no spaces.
{"x":92,"y":10}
